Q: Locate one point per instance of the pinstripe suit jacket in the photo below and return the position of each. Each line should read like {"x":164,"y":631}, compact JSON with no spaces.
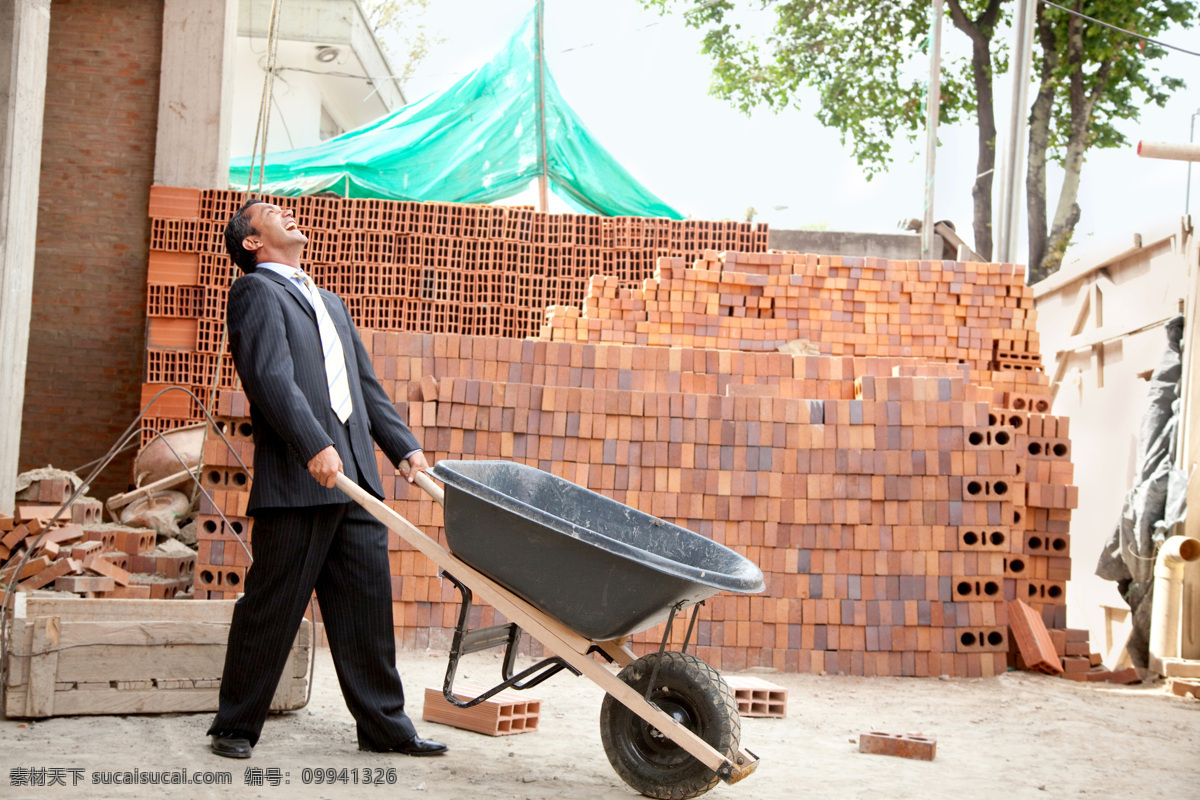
{"x":277,"y":350}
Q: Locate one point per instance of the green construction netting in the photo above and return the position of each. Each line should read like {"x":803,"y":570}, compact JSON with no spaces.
{"x":476,"y":142}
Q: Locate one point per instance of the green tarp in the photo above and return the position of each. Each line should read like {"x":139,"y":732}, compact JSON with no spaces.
{"x":477,"y":142}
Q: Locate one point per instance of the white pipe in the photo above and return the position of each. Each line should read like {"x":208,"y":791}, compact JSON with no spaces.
{"x":1012,"y":160}
{"x":544,"y":172}
{"x":1169,"y":150}
{"x":932,"y":114}
{"x":1175,"y":552}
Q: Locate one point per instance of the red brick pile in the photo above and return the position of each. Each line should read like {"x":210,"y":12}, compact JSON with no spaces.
{"x":889,"y":512}
{"x":429,"y":267}
{"x":980,"y":315}
{"x":77,"y":553}
{"x":897,"y":486}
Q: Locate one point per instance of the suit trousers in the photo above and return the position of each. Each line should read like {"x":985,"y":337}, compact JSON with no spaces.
{"x":341,"y":552}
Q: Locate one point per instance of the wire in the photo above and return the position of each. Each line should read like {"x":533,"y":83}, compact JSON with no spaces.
{"x":82,"y":467}
{"x":573,"y":48}
{"x":282,"y":121}
{"x":1081,"y":15}
{"x":366,"y":78}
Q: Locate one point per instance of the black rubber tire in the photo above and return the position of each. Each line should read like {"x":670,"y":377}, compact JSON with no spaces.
{"x":694,"y":694}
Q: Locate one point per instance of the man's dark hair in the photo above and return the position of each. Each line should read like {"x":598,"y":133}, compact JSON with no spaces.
{"x":237,"y":229}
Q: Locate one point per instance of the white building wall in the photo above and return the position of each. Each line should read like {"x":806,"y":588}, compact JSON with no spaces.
{"x":353,"y":83}
{"x":295,"y":112}
{"x":1103,"y":391}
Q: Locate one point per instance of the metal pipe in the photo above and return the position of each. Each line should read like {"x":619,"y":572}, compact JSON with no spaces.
{"x":1187,"y":201}
{"x":1175,"y":552}
{"x":932,"y":113}
{"x":1013,"y":157}
{"x":543,"y":176}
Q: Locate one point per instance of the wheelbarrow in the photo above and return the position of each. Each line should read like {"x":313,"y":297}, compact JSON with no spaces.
{"x":581,"y":573}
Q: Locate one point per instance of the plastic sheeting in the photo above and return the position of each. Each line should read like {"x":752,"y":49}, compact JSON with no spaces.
{"x":477,"y":142}
{"x":1157,"y":501}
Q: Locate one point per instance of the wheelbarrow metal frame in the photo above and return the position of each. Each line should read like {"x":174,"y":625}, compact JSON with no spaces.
{"x":556,"y":637}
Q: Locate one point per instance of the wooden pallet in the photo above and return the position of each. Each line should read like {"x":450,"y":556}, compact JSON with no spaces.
{"x":70,"y":655}
{"x":756,"y":697}
{"x":500,"y":715}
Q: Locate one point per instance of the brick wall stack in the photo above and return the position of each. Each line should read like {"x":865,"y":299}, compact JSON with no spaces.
{"x":86,"y":330}
{"x":883,"y":497}
{"x":979,"y":315}
{"x":897,"y":484}
{"x":430,"y":267}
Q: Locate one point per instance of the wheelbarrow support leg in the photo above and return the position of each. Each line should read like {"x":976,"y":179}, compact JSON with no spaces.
{"x":687,"y":637}
{"x":509,"y":634}
{"x":662,"y":646}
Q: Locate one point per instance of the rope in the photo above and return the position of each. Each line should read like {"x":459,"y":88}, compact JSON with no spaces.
{"x":264,"y":104}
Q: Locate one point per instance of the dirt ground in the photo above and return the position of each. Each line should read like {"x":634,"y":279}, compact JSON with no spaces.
{"x":1018,"y":735}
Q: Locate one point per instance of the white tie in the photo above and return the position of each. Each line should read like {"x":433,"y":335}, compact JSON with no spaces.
{"x":335,"y":358}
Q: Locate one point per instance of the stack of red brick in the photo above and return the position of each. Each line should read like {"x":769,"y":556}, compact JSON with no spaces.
{"x":429,"y":267}
{"x":976,"y":314}
{"x":897,"y":487}
{"x":892,"y":505}
{"x":79,"y":554}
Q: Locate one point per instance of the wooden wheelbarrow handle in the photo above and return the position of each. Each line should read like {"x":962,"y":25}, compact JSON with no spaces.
{"x":426,"y":483}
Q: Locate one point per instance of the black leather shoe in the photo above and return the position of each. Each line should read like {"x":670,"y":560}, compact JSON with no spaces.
{"x":415,"y":746}
{"x":231,"y":746}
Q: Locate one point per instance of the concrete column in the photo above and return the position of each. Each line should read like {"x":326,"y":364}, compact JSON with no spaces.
{"x":1189,"y":645}
{"x":195,"y":93}
{"x":24,"y":42}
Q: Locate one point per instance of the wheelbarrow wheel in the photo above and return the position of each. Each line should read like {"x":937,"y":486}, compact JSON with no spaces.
{"x":693,"y":693}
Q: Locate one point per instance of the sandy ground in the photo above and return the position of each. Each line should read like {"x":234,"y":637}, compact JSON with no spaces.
{"x":1018,"y":735}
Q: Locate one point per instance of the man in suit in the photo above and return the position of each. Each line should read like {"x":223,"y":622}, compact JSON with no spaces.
{"x":315,"y":405}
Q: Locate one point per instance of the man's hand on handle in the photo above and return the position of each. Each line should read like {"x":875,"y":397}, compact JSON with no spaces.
{"x":416,"y":463}
{"x":325,"y":466}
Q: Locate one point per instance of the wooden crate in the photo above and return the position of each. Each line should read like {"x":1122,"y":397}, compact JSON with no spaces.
{"x":70,"y":655}
{"x":756,"y":697}
{"x":500,"y":715}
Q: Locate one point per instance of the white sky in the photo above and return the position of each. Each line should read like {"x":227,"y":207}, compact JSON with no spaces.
{"x":640,"y":84}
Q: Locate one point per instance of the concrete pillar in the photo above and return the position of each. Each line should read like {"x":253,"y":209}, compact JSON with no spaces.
{"x":1189,"y":645}
{"x":195,"y":93}
{"x":24,"y":42}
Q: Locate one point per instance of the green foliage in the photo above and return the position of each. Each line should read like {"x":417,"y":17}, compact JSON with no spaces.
{"x":868,"y":59}
{"x":1117,"y":69}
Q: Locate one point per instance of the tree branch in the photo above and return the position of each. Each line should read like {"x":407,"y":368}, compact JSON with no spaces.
{"x":964,"y":24}
{"x":987,"y":19}
{"x":1100,"y":87}
{"x":979,"y":29}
